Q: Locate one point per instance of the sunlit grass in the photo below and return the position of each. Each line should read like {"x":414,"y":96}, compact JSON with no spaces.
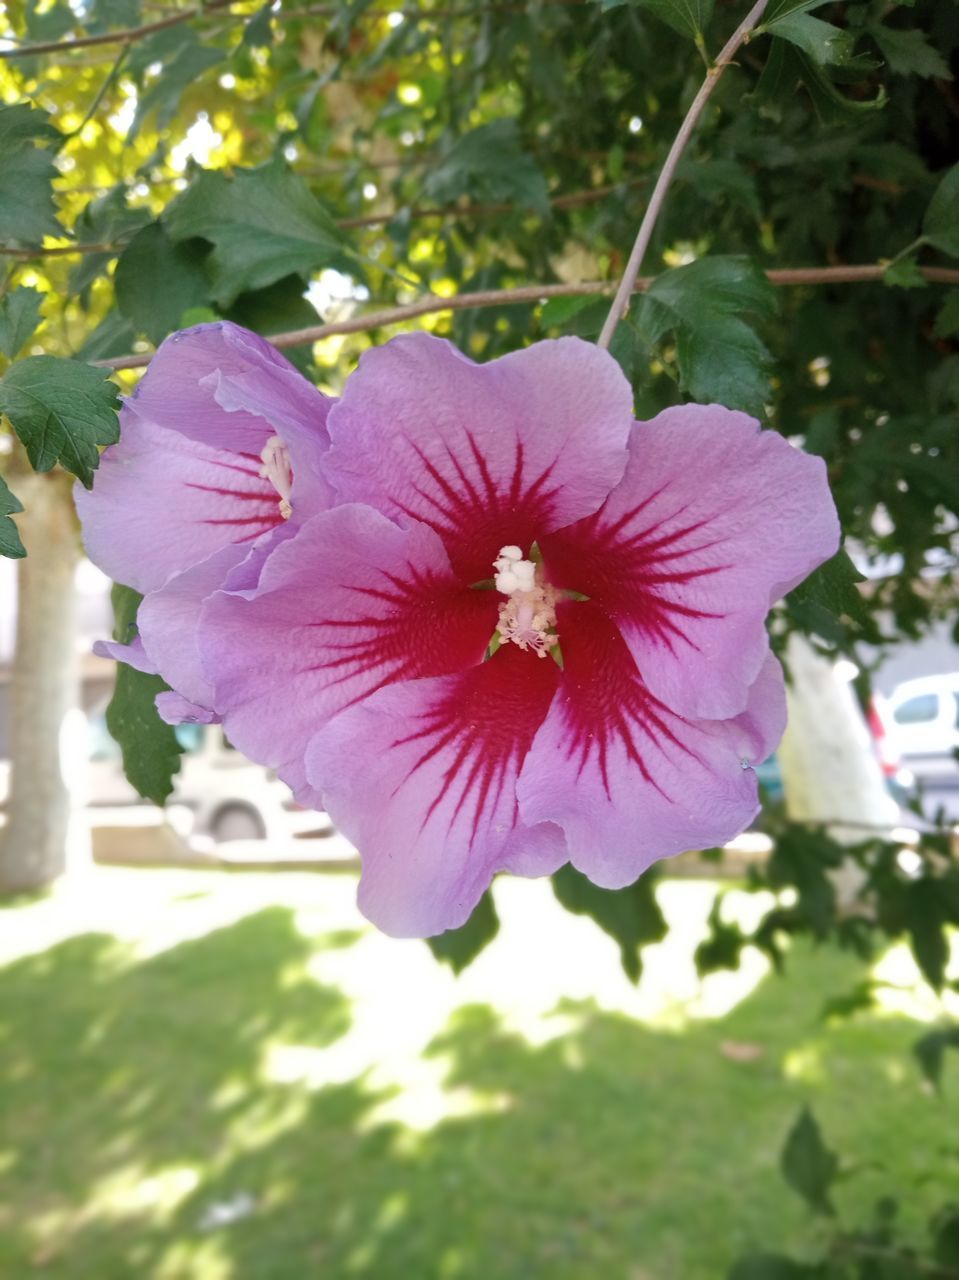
{"x":212,"y":1077}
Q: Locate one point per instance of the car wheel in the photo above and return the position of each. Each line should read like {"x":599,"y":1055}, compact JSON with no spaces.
{"x":237,"y":822}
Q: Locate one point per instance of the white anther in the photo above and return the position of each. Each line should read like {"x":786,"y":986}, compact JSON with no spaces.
{"x":276,"y":468}
{"x":510,"y":553}
{"x":528,"y":617}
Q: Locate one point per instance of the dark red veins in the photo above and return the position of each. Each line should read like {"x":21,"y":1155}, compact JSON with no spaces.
{"x":475,"y":512}
{"x":242,"y":499}
{"x":605,"y":702}
{"x":479,"y":733}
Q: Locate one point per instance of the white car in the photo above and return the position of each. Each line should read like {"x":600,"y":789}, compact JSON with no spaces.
{"x":228,"y":797}
{"x":926,"y":715}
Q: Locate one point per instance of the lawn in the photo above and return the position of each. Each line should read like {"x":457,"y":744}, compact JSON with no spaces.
{"x":208,"y":1076}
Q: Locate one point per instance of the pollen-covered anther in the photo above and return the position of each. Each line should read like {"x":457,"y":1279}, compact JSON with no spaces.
{"x":528,"y":618}
{"x":276,"y":468}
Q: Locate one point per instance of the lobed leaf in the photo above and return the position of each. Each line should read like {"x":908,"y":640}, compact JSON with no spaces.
{"x":10,"y":544}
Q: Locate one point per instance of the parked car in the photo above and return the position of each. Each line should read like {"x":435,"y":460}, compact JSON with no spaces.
{"x":228,"y":797}
{"x":926,"y":715}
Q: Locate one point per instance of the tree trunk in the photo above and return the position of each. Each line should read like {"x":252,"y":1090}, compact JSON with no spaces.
{"x":44,"y":688}
{"x":830,"y":770}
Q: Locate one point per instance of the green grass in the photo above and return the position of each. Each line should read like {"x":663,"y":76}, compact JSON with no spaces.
{"x":137,"y":1092}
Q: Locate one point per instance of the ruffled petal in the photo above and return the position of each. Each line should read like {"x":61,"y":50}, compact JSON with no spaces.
{"x":161,"y":502}
{"x":487,"y":455}
{"x":712,"y":521}
{"x":133,"y":654}
{"x":422,"y":776}
{"x":346,"y":605}
{"x":175,"y":709}
{"x":168,"y":620}
{"x":627,"y":779}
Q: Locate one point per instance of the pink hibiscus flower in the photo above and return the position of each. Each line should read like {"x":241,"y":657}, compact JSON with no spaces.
{"x":219,"y":459}
{"x":530,"y":629}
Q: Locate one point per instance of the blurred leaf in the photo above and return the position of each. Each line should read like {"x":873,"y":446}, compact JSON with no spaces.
{"x":105,"y":220}
{"x":947,"y":321}
{"x":19,"y":317}
{"x":908,"y":52}
{"x":808,"y":1165}
{"x":113,"y":336}
{"x":10,"y":544}
{"x":156,"y":281}
{"x":264,"y":224}
{"x":489,"y":164}
{"x":631,"y":916}
{"x":945,"y":1228}
{"x":768,"y":1266}
{"x":721,"y":357}
{"x":930,"y":1050}
{"x":258,"y":32}
{"x":783,"y":8}
{"x":27,"y":210}
{"x":61,"y":410}
{"x":150,"y":750}
{"x":460,"y":947}
{"x":941,"y":224}
{"x":557,"y":311}
{"x":182,"y":63}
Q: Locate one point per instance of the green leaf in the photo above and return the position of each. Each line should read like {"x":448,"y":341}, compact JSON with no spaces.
{"x":945,"y":1228}
{"x":787,"y":66}
{"x":828,"y":595}
{"x":808,"y":1165}
{"x":182,"y":65}
{"x":27,"y":210}
{"x":941,"y":223}
{"x":905,"y":274}
{"x":156,"y":281}
{"x":61,"y":410}
{"x":258,"y":32}
{"x":908,"y":52}
{"x":150,"y":749}
{"x":264,"y":224}
{"x":10,"y":544}
{"x":557,"y":311}
{"x":460,"y":947}
{"x":113,"y":336}
{"x":105,"y":220}
{"x":947,"y":321}
{"x":489,"y":164}
{"x":823,"y":42}
{"x":783,"y":8}
{"x":688,"y":17}
{"x":705,"y":305}
{"x":630,"y":916}
{"x":19,"y":317}
{"x":930,"y":1050}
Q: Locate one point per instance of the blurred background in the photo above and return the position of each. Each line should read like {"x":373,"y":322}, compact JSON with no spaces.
{"x":744,"y":1066}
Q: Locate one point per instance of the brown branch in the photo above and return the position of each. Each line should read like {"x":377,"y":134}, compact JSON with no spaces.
{"x":132,"y":34}
{"x":656,"y":200}
{"x":59,"y":251}
{"x":127,"y":36}
{"x":537,"y":293}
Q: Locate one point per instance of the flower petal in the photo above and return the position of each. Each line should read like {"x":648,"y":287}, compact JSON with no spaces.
{"x":161,"y":503}
{"x":347,"y":604}
{"x":133,"y":654}
{"x":487,"y":455}
{"x":713,"y":521}
{"x":628,"y":780}
{"x":168,"y":618}
{"x":175,"y":709}
{"x":421,"y":777}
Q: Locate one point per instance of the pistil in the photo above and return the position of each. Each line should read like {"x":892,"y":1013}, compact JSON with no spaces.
{"x":528,"y":618}
{"x":276,"y":468}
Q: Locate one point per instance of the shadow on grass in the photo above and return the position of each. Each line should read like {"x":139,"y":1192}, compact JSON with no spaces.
{"x":612,"y":1150}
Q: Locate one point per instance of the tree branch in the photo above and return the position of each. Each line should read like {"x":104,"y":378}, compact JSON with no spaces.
{"x":645,"y":233}
{"x":537,"y":293}
{"x":131,"y":34}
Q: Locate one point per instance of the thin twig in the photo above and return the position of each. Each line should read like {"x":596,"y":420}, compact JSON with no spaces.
{"x":127,"y":36}
{"x":100,"y":95}
{"x":537,"y":293}
{"x":645,"y":233}
{"x":131,"y":34}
